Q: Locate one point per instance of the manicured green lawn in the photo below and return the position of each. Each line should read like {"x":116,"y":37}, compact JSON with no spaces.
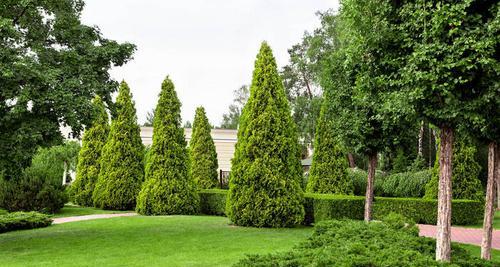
{"x":496,"y":222}
{"x":476,"y":251}
{"x":73,"y":210}
{"x":143,"y":241}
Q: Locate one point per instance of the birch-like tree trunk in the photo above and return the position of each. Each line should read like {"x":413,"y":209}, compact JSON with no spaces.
{"x":489,"y":209}
{"x":443,"y":236}
{"x":372,"y":165}
{"x":352,"y":163}
{"x":421,"y":140}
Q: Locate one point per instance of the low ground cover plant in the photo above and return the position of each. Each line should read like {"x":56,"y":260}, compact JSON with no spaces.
{"x":394,"y":242}
{"x":23,"y":220}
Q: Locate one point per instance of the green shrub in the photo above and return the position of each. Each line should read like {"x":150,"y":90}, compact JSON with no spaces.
{"x":328,"y":173}
{"x":359,"y":177}
{"x":465,"y":173}
{"x":264,"y":187}
{"x":169,"y":187}
{"x":213,"y":201}
{"x":3,"y":212}
{"x":356,"y":243}
{"x":122,"y":170}
{"x":23,"y":220}
{"x":87,"y":171}
{"x":406,"y":184}
{"x":202,"y":151}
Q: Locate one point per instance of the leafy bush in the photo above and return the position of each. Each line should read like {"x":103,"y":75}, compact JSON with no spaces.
{"x":213,"y":201}
{"x":40,"y":186}
{"x":87,"y":172}
{"x":264,"y":187}
{"x":121,"y":171}
{"x":359,"y":177}
{"x":3,"y":212}
{"x":356,"y":243}
{"x":406,"y":184}
{"x":23,"y":220}
{"x":202,"y":151}
{"x":169,"y":187}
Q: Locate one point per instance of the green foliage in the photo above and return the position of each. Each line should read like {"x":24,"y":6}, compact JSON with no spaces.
{"x":202,"y":151}
{"x":213,"y":201}
{"x":465,"y":182}
{"x":23,"y":220}
{"x":400,"y":222}
{"x":264,"y":187}
{"x":169,"y":187}
{"x":406,"y":184}
{"x":121,"y":164}
{"x":329,"y":164}
{"x":87,"y":171}
{"x":52,"y":67}
{"x":401,"y":162}
{"x":321,"y":207}
{"x":359,"y":177}
{"x":355,"y":243}
{"x":40,"y":186}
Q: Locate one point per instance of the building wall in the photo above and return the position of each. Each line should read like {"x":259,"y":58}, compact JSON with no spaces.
{"x":224,"y":140}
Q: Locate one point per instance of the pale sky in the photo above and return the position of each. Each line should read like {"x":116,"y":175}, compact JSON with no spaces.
{"x":207,"y":47}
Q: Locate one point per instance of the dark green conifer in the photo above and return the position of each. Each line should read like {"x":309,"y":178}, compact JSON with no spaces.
{"x":202,"y":149}
{"x":122,"y":170}
{"x":87,"y":171}
{"x":328,"y":173}
{"x":264,"y":186}
{"x":169,"y":188}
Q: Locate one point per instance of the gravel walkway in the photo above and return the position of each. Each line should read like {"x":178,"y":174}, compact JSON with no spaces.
{"x":91,"y":217}
{"x":462,"y":235}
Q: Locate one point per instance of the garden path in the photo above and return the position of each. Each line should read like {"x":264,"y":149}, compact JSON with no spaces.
{"x":91,"y":217}
{"x":462,"y":235}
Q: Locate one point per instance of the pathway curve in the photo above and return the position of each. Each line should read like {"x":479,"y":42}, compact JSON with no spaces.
{"x":462,"y":235}
{"x":91,"y":217}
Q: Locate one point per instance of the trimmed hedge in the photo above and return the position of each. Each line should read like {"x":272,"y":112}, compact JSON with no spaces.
{"x":23,"y":220}
{"x":213,"y":201}
{"x":319,"y":207}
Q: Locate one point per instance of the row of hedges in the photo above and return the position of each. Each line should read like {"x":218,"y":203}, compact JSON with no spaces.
{"x":319,"y":207}
{"x":23,"y":220}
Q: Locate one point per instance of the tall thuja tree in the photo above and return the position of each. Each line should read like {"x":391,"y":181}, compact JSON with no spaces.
{"x":202,"y":149}
{"x":169,"y":188}
{"x":264,"y":187}
{"x":446,"y":45}
{"x":328,"y":173}
{"x":87,"y":171}
{"x":466,"y":184}
{"x":360,"y":77}
{"x":122,"y":169}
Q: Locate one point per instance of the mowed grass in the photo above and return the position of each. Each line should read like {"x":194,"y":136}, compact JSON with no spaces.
{"x":144,"y":241}
{"x":70,"y":210}
{"x":496,"y":222}
{"x":476,"y":251}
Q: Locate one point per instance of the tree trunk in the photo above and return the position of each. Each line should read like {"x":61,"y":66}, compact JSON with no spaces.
{"x":64,"y":172}
{"x":350,"y":157}
{"x":372,"y":165}
{"x":421,"y":140}
{"x":443,"y":236}
{"x":489,"y":202}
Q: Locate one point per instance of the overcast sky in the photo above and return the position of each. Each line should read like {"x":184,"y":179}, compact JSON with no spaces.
{"x":207,"y":47}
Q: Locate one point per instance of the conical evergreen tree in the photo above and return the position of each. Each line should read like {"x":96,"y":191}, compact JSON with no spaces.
{"x":264,"y":186}
{"x":168,"y":189}
{"x":202,"y":149}
{"x":328,"y":173}
{"x":87,"y":171}
{"x":122,"y":169}
{"x":465,"y":183}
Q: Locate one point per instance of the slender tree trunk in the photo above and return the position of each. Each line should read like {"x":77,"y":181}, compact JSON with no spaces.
{"x":489,"y":202}
{"x":372,"y":165}
{"x":421,"y":140}
{"x":443,"y":236}
{"x":350,"y":157}
{"x":64,"y":172}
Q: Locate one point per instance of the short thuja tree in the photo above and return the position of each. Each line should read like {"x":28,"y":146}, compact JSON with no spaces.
{"x":122,"y":169}
{"x":465,"y":182}
{"x":169,"y":188}
{"x":328,"y":173}
{"x":264,"y":187}
{"x":202,"y":149}
{"x":87,"y":171}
